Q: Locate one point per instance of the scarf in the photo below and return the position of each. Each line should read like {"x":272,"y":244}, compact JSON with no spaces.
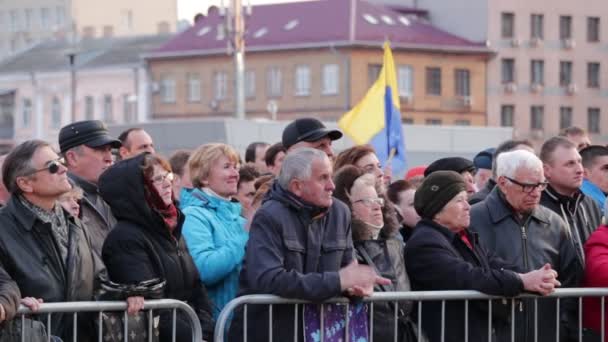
{"x":167,"y":212}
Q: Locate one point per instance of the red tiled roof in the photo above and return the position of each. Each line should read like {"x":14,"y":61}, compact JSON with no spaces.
{"x":314,"y":24}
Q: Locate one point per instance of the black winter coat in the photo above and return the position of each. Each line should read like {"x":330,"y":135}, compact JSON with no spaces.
{"x":141,"y":247}
{"x":581,"y":214}
{"x":30,"y":256}
{"x":437,"y":259}
{"x":529,"y":244}
{"x":295,"y":251}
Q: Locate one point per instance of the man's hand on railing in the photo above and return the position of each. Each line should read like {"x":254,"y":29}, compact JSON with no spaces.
{"x":32,"y":303}
{"x":543,"y":280}
{"x":134,"y":304}
{"x":359,"y":280}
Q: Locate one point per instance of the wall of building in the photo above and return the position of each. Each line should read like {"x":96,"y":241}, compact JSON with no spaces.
{"x":133,"y":17}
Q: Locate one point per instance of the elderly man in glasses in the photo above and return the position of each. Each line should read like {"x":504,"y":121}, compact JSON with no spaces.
{"x":512,"y":223}
{"x":43,"y":248}
{"x":87,"y":148}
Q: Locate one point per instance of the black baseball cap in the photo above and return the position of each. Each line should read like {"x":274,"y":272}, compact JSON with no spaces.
{"x":307,"y":129}
{"x":92,"y":133}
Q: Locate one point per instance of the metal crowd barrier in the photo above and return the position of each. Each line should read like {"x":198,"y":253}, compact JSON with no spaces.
{"x":112,"y":306}
{"x":417,"y":296}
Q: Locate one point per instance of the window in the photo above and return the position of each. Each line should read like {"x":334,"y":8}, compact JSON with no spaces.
{"x":433,"y":81}
{"x":565,"y":27}
{"x":331,"y":79}
{"x":508,"y":70}
{"x":593,"y":29}
{"x":29,"y":18}
{"x":506,"y":115}
{"x":565,"y":117}
{"x":408,"y":121}
{"x":536,"y":117}
{"x":128,"y":108}
{"x":537,"y":72}
{"x":593,"y":120}
{"x":508,"y":25}
{"x":108,"y":31}
{"x":107,"y":108}
{"x":405,"y":80}
{"x":565,"y":73}
{"x":89,"y":107}
{"x":536,"y":26}
{"x":373,"y":71}
{"x":194,"y":88}
{"x":60,"y":16}
{"x":14,"y":27}
{"x":56,"y":113}
{"x":462,"y":82}
{"x":434,"y":122}
{"x":593,"y":75}
{"x":273,"y":78}
{"x":26,"y":113}
{"x":249,"y":84}
{"x":220,"y":85}
{"x":45,"y":18}
{"x":167,"y":89}
{"x":302,"y":78}
{"x":462,"y":122}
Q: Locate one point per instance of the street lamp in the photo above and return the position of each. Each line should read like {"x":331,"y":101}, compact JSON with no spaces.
{"x":72,"y":61}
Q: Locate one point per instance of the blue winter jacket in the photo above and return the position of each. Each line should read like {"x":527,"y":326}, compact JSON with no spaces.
{"x":593,"y":191}
{"x":216,"y":237}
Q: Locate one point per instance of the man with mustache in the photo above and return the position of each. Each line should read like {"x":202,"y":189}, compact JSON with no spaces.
{"x":87,"y":148}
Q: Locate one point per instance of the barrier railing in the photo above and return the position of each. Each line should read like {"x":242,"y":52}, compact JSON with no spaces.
{"x":420,"y":297}
{"x":105,"y":306}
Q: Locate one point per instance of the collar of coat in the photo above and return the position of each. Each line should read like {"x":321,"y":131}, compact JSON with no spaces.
{"x":24,"y":215}
{"x":500,"y":209}
{"x":87,"y":187}
{"x":569,"y":202}
{"x":450,"y":235}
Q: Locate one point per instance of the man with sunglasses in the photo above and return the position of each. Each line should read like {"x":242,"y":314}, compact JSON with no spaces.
{"x":512,"y":223}
{"x":44,"y":249}
{"x":87,"y":148}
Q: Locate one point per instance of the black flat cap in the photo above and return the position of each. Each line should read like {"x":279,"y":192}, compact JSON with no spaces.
{"x":92,"y":133}
{"x":457,"y":164}
{"x":307,"y":129}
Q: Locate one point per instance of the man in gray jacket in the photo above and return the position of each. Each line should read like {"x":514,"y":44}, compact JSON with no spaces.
{"x":87,"y":148}
{"x":300,"y":246}
{"x":511,"y":223}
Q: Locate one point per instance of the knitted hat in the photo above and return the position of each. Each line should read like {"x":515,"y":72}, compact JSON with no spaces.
{"x":483,"y":159}
{"x":457,"y":164}
{"x":415,"y":172}
{"x":436,"y":191}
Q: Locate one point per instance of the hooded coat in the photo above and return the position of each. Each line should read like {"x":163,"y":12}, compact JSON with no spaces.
{"x":141,"y":247}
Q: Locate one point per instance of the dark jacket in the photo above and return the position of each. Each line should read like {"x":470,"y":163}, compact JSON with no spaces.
{"x":483,"y":192}
{"x":528,"y":244}
{"x":10,"y":296}
{"x":385,"y":255}
{"x":437,"y":259}
{"x":31,"y":257}
{"x":95,"y":214}
{"x":295,"y":250}
{"x":141,"y":247}
{"x":581,"y":214}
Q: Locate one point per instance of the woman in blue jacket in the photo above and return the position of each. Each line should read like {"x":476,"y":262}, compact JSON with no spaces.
{"x":214,"y":228}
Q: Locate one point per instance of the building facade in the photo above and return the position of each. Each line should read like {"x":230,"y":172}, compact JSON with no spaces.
{"x":24,"y":23}
{"x":108,"y":83}
{"x":313,"y":61}
{"x":549,"y":69}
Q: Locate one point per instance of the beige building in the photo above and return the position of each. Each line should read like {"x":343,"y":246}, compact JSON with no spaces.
{"x":550,"y":68}
{"x":24,"y":23}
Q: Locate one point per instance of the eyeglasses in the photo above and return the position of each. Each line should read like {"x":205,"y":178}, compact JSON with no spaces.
{"x":368,"y":202}
{"x":53,"y":166}
{"x":527,"y":187}
{"x":160,"y":179}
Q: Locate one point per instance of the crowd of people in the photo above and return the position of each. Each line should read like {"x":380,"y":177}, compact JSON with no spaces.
{"x":297,"y":220}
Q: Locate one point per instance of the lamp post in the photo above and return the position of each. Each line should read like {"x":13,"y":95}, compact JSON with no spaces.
{"x":72,"y":58}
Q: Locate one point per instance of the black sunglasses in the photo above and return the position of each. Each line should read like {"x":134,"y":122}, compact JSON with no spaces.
{"x":527,"y":187}
{"x":52,"y":166}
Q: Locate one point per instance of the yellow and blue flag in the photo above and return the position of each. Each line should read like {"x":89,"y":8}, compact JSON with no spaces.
{"x":376,"y":120}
